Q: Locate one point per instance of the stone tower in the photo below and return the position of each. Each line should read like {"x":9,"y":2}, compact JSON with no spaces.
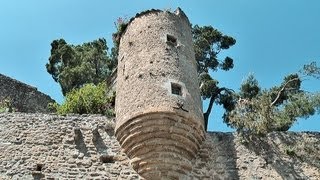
{"x":158,"y":105}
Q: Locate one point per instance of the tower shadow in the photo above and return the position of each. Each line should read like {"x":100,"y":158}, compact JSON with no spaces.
{"x":216,"y":158}
{"x":281,"y":150}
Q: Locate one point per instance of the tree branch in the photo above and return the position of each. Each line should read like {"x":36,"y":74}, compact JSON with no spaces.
{"x":282,"y":90}
{"x":212,"y":99}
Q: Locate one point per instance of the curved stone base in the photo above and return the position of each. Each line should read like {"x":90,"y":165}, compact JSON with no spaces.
{"x":161,"y":144}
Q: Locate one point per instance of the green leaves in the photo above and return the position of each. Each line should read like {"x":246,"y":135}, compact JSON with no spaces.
{"x":227,"y":64}
{"x":208,"y":86}
{"x":90,"y":99}
{"x":72,"y":66}
{"x":226,"y":42}
{"x":274,"y":109}
{"x":311,"y":70}
{"x":208,"y":42}
{"x":252,"y":109}
{"x":6,"y":106}
{"x":249,"y":88}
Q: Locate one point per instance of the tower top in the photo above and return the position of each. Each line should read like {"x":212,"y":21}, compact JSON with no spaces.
{"x":178,"y":12}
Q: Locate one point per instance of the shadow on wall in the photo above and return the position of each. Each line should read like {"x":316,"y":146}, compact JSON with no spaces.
{"x":287,"y":151}
{"x":217,"y":158}
{"x":79,"y":141}
{"x":98,"y":141}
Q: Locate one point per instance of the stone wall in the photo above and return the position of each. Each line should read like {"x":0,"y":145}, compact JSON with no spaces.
{"x":56,"y":147}
{"x":24,"y":98}
{"x":48,"y":146}
{"x":279,"y":155}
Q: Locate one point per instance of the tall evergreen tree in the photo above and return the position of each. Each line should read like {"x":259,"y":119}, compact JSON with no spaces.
{"x":72,"y":66}
{"x":275,"y":109}
{"x":208,"y":43}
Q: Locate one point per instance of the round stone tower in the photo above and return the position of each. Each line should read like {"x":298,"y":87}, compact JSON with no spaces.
{"x":158,"y":105}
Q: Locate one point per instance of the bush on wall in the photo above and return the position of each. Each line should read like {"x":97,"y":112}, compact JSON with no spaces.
{"x":90,"y":99}
{"x":6,"y":106}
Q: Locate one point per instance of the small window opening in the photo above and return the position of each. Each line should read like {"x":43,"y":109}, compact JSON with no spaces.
{"x":39,"y":167}
{"x":176,"y":89}
{"x":107,"y":159}
{"x":171,"y":40}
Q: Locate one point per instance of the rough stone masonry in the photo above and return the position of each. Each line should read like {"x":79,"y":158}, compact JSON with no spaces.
{"x":158,"y":106}
{"x":24,"y":98}
{"x":158,"y":125}
{"x":48,"y":146}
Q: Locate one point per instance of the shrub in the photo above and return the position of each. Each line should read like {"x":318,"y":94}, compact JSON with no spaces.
{"x":90,"y":99}
{"x":290,"y":150}
{"x":6,"y":106}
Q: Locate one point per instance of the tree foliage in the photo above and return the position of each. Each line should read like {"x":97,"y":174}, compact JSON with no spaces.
{"x":72,"y":66}
{"x":252,"y":109}
{"x":311,"y":70}
{"x":89,"y":99}
{"x":276,"y":109}
{"x":208,"y":43}
{"x":121,"y":25}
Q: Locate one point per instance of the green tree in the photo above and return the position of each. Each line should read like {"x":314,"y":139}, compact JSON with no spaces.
{"x":121,"y":25}
{"x":208,"y":43}
{"x":89,"y":99}
{"x":72,"y":66}
{"x":276,"y":109}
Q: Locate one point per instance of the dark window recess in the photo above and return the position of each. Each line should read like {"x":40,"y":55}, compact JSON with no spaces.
{"x":171,"y":40}
{"x":107,"y":159}
{"x":39,"y":167}
{"x":176,"y":89}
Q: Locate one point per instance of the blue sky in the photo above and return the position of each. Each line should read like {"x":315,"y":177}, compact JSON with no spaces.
{"x":274,"y":38}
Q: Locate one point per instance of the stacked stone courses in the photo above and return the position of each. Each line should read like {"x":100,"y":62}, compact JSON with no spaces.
{"x":48,"y":146}
{"x":23,"y":97}
{"x":158,"y":106}
{"x":44,"y":146}
{"x":158,"y":131}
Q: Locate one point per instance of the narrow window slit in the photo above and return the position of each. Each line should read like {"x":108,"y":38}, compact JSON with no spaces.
{"x":176,"y":89}
{"x":171,"y":40}
{"x":39,"y":167}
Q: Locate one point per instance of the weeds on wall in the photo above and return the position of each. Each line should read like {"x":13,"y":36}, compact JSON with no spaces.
{"x":90,"y":99}
{"x":6,"y":106}
{"x":121,"y":25}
